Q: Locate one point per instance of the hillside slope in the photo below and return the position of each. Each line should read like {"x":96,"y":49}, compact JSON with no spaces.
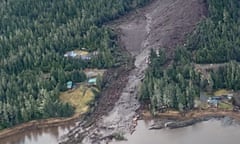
{"x":163,"y":23}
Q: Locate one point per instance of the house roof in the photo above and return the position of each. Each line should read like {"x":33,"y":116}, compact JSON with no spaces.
{"x":69,"y":84}
{"x":216,"y":98}
{"x":213,"y":102}
{"x":86,"y":57}
{"x":70,"y":54}
{"x":92,"y":80}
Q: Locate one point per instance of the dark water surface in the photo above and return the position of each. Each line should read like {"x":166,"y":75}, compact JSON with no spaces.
{"x":38,"y":136}
{"x":208,"y":132}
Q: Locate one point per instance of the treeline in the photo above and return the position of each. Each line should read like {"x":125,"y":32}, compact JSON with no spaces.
{"x":34,"y":35}
{"x":217,"y":38}
{"x":226,"y":77}
{"x":173,"y":87}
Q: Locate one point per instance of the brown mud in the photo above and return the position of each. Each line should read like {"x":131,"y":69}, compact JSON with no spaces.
{"x":161,"y":24}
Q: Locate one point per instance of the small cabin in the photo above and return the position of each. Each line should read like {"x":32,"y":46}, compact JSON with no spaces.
{"x":92,"y":81}
{"x":69,"y":84}
{"x":213,"y":102}
{"x":86,"y":57}
{"x":70,"y":54}
{"x":218,"y":98}
{"x":229,"y":96}
{"x":81,"y":54}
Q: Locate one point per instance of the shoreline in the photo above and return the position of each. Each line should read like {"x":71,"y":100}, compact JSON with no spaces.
{"x":174,"y":119}
{"x":38,"y":124}
{"x":138,"y":32}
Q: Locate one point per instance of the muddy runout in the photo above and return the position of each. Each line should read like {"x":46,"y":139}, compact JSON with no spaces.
{"x":161,"y":24}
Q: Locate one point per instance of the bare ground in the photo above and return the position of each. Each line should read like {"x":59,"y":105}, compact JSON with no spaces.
{"x":161,"y":24}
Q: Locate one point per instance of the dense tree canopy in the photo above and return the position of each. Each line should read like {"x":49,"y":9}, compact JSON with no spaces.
{"x":172,"y":87}
{"x":34,"y":35}
{"x":217,"y":38}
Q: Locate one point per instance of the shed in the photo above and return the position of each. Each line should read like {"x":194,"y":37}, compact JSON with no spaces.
{"x":69,"y":84}
{"x":92,"y":81}
{"x":86,"y":57}
{"x":214,"y":101}
{"x":218,"y":98}
{"x":70,"y":54}
{"x":230,"y":96}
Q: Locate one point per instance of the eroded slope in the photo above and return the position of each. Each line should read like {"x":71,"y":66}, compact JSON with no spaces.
{"x":163,"y":23}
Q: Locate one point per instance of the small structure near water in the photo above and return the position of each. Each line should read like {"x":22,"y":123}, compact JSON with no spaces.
{"x":69,"y":84}
{"x":214,"y":101}
{"x":223,"y":101}
{"x":92,"y":81}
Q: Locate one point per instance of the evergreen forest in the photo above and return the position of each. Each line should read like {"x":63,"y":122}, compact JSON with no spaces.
{"x":34,"y":36}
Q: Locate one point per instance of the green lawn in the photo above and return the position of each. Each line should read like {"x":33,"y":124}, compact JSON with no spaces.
{"x":79,"y":98}
{"x":225,"y":106}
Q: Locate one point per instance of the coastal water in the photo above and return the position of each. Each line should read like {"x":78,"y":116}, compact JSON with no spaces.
{"x":38,"y":136}
{"x":208,"y":132}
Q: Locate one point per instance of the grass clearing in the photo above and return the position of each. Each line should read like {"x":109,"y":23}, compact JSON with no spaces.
{"x":81,"y":53}
{"x":221,"y":92}
{"x":79,"y":98}
{"x":225,"y":106}
{"x":204,"y":106}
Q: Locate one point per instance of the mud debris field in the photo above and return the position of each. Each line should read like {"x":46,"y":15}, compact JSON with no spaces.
{"x":161,"y":24}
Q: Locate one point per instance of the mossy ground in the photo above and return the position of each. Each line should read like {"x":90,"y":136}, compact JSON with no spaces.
{"x":79,"y":98}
